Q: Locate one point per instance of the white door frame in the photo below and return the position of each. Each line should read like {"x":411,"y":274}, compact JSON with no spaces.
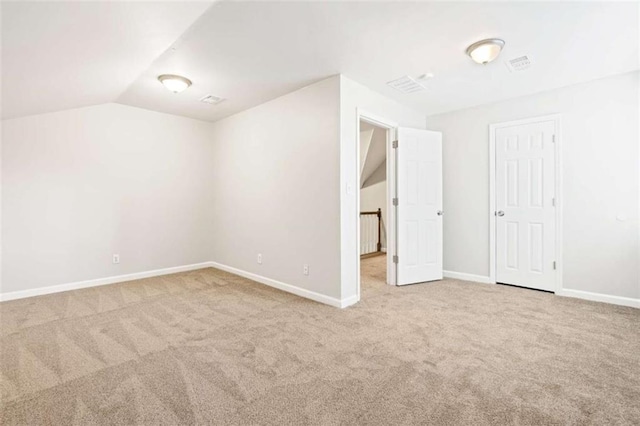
{"x":558,"y":190}
{"x":390,"y":126}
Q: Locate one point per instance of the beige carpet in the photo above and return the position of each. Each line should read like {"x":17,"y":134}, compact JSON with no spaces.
{"x":207,"y":347}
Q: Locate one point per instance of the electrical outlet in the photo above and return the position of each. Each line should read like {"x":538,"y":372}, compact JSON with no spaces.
{"x":116,"y":258}
{"x":305,"y":269}
{"x":259,"y":258}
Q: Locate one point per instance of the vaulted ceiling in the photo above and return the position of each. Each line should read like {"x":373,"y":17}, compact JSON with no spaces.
{"x":58,"y":55}
{"x":373,"y":154}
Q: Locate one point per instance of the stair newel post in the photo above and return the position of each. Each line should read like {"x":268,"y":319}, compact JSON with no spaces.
{"x":379,"y":229}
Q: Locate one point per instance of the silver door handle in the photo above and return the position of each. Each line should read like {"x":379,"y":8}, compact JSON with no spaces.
{"x":499,"y":213}
{"x":440,"y":212}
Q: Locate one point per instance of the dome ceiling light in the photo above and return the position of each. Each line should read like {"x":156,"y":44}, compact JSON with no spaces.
{"x":175,"y":83}
{"x":485,"y":51}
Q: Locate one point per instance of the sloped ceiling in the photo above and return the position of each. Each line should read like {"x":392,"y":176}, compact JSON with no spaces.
{"x":365,"y":143}
{"x":375,"y":156}
{"x":59,"y":55}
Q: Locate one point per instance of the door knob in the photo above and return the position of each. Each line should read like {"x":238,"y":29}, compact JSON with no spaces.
{"x":500,"y":213}
{"x":440,"y":213}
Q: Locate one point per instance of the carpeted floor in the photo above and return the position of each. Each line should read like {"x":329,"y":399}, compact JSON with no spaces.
{"x":207,"y":347}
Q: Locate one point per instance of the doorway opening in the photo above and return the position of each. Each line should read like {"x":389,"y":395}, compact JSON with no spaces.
{"x":411,"y":225}
{"x":373,"y":206}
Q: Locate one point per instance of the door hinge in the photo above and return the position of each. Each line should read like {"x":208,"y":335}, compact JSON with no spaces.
{"x":395,"y":259}
{"x":554,"y":265}
{"x":553,"y":201}
{"x":395,"y":201}
{"x":553,"y":138}
{"x":394,"y":144}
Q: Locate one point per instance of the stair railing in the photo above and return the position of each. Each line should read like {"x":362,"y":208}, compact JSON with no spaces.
{"x":370,"y":232}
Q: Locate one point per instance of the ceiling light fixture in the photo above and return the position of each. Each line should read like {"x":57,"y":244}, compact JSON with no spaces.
{"x":175,"y":83}
{"x":485,"y":51}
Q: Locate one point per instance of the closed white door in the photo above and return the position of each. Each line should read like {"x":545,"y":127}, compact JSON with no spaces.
{"x":525,"y":205}
{"x":419,"y":206}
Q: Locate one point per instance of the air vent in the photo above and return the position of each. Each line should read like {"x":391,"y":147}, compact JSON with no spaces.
{"x":211,"y":100}
{"x":519,"y":64}
{"x":406,"y":84}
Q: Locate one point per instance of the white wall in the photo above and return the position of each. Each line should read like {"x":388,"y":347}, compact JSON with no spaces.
{"x":372,"y":198}
{"x":164,"y":191}
{"x":275,"y":180}
{"x":83,"y":184}
{"x":600,"y":150}
{"x":354,"y":96}
{"x":281,"y":179}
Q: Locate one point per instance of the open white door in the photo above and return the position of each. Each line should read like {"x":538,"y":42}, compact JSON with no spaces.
{"x":419,"y":206}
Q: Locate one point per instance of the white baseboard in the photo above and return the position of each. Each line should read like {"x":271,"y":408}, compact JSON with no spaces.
{"x":599,"y":297}
{"x":467,"y":277}
{"x":338,"y":303}
{"x":308,"y":294}
{"x":165,"y":271}
{"x":578,"y":294}
{"x":100,"y":281}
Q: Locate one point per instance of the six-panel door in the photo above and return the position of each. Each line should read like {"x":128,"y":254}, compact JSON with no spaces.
{"x":419,"y":215}
{"x":525,"y":215}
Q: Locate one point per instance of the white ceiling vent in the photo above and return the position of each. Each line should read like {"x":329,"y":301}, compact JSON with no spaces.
{"x":519,"y":64}
{"x":406,"y":84}
{"x":211,"y":100}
